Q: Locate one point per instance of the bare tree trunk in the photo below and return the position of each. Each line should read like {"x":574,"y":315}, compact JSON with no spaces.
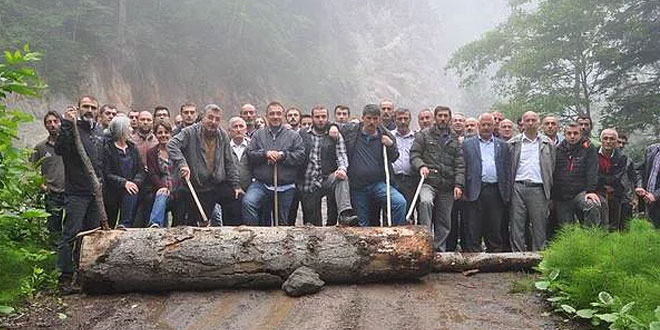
{"x":187,"y":258}
{"x":485,"y":262}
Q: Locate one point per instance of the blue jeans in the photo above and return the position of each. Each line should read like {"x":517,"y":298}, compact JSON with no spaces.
{"x":258,"y":197}
{"x":363,"y":197}
{"x":159,"y":210}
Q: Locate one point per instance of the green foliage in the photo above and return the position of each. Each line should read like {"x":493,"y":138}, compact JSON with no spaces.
{"x":605,"y":277}
{"x":566,"y":57}
{"x":26,"y":261}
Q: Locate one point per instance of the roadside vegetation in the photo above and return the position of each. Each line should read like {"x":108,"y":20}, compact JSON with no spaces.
{"x":608,"y":279}
{"x":27,"y":259}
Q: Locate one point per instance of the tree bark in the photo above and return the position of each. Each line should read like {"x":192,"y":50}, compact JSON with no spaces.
{"x":485,"y":262}
{"x":187,"y":258}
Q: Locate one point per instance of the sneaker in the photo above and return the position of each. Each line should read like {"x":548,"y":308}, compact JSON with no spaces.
{"x":154,"y":225}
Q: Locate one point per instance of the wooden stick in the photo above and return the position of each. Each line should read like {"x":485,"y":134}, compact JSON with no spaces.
{"x":276,"y":206}
{"x":414,"y":200}
{"x":199,"y":205}
{"x":89,"y":168}
{"x":388,"y":193}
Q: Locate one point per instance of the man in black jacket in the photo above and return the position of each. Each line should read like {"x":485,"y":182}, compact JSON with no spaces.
{"x":324,"y":171}
{"x":576,"y":179}
{"x":274,"y":145}
{"x":613,"y":172}
{"x":366,"y":170}
{"x":437,"y":155}
{"x":81,"y":211}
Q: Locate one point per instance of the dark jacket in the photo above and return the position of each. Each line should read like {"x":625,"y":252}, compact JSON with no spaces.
{"x":114,"y":179}
{"x":652,"y":151}
{"x":155,"y":174}
{"x":576,"y":169}
{"x":547,"y":155}
{"x":473,"y":169}
{"x":77,"y":182}
{"x":619,"y":174}
{"x":283,"y":140}
{"x":442,"y":154}
{"x":187,"y":149}
{"x":351,"y":132}
{"x":328,"y":152}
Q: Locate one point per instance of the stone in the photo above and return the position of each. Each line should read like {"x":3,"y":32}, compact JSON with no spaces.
{"x":303,"y":281}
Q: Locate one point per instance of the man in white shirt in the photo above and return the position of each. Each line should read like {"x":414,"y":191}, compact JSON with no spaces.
{"x":533,"y":159}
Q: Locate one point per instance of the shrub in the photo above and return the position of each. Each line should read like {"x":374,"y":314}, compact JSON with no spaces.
{"x":584,"y":264}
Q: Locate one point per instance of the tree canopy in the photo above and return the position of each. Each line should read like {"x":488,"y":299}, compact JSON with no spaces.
{"x":571,"y":57}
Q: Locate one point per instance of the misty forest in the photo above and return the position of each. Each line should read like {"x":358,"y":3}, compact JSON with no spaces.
{"x":565,"y":58}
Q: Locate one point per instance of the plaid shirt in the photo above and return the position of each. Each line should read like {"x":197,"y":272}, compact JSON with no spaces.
{"x":313,"y":176}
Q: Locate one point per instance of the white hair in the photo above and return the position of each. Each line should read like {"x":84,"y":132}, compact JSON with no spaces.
{"x":120,"y":127}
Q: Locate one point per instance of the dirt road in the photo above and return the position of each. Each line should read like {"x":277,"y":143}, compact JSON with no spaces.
{"x":440,"y":301}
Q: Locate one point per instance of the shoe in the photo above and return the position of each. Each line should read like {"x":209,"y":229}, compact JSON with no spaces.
{"x":154,"y":225}
{"x":348,"y":220}
{"x":65,"y":284}
{"x":121,"y":227}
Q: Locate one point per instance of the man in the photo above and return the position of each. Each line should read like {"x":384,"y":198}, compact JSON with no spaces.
{"x":52,"y":170}
{"x":387,"y":114}
{"x":293,"y":118}
{"x":178,"y":121}
{"x":161,"y":113}
{"x":403,"y":175}
{"x":648,"y":185}
{"x":629,"y":200}
{"x":189,"y":116}
{"x":249,"y":113}
{"x":586,"y":127}
{"x":613,"y":171}
{"x":342,"y":114}
{"x":202,"y":154}
{"x":272,"y":146}
{"x":324,"y":171}
{"x":239,"y":143}
{"x":305,"y":122}
{"x":506,"y":130}
{"x":576,"y":179}
{"x":364,"y":146}
{"x":133,"y":116}
{"x":533,"y":159}
{"x":82,"y":212}
{"x":437,"y":155}
{"x":487,"y":188}
{"x":106,"y":114}
{"x":498,"y":117}
{"x":425,"y":118}
{"x":143,"y":136}
{"x":458,"y":125}
{"x":550,"y":127}
{"x":471,"y":127}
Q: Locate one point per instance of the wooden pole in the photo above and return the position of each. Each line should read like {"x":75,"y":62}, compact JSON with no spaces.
{"x":89,"y":168}
{"x":205,"y":219}
{"x":388,"y":193}
{"x":414,"y":200}
{"x":275,"y":201}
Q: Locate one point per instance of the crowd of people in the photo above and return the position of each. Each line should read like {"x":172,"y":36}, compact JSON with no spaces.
{"x":485,"y":183}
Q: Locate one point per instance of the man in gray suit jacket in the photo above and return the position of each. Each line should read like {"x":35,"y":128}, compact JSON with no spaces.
{"x":487,"y":188}
{"x":533,"y":162}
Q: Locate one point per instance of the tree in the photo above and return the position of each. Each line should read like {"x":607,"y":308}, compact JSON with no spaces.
{"x":565,"y":56}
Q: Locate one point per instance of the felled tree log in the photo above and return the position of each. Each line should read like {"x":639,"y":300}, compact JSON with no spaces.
{"x":485,"y":262}
{"x":187,"y":258}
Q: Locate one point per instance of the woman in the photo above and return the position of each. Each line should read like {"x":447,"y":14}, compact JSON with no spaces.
{"x":259,"y":122}
{"x":124,"y":174}
{"x":159,"y":167}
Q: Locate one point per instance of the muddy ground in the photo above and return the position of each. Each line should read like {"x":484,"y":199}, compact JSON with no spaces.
{"x":439,"y":301}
